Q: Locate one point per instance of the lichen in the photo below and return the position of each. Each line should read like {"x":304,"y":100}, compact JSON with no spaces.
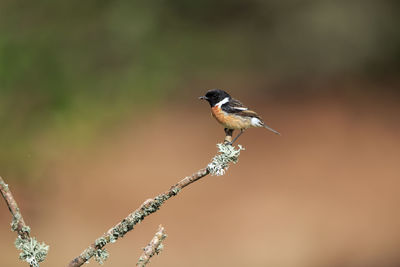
{"x":15,"y":220}
{"x":142,"y":261}
{"x":175,"y":191}
{"x":161,"y":235}
{"x":154,"y":247}
{"x":4,"y":185}
{"x":112,"y":239}
{"x":87,"y":254}
{"x":33,"y":252}
{"x":100,"y":242}
{"x":127,"y":224}
{"x":101,"y":255}
{"x":155,"y":205}
{"x":159,"y":248}
{"x":220,"y":163}
{"x":26,"y":229}
{"x":122,"y":228}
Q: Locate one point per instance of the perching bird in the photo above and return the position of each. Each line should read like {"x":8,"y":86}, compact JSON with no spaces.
{"x":232,"y":114}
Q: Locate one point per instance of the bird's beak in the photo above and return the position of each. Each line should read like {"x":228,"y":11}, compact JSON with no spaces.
{"x":203,"y":97}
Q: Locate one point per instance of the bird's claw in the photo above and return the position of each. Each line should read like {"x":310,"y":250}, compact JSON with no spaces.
{"x":228,"y":143}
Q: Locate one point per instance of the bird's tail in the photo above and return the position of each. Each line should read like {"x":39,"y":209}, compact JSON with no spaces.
{"x":272,"y":130}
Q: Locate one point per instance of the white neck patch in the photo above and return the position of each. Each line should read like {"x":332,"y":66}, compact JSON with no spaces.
{"x":223,"y":101}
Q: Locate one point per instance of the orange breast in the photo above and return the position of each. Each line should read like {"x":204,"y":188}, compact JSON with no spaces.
{"x":230,"y":121}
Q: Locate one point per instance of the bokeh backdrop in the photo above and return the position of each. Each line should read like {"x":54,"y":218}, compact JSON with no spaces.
{"x":99,"y":111}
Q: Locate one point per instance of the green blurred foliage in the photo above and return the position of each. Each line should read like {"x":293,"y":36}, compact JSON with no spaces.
{"x":67,"y":68}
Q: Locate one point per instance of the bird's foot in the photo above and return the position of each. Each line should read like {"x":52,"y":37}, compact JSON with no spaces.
{"x":228,"y":140}
{"x":227,"y":143}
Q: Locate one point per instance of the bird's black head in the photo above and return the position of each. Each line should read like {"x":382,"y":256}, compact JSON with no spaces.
{"x":214,"y":96}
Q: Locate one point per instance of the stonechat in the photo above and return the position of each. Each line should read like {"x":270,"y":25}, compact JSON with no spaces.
{"x":232,"y":114}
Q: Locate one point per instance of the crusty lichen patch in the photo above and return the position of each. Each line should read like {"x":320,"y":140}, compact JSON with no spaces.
{"x":33,"y":252}
{"x":220,"y":163}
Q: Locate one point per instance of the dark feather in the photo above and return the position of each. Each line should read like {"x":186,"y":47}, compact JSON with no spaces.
{"x":236,"y":107}
{"x":233,"y":106}
{"x":248,"y":113}
{"x":234,"y":103}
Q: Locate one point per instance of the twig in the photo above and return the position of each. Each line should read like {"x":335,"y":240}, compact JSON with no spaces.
{"x":154,"y":247}
{"x":18,"y":224}
{"x":218,"y":166}
{"x":33,"y":252}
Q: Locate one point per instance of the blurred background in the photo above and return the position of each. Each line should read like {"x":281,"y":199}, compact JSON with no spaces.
{"x":99,"y":111}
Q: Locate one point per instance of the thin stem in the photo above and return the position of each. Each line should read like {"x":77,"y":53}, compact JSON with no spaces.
{"x":154,"y":247}
{"x":32,"y":251}
{"x":18,"y":224}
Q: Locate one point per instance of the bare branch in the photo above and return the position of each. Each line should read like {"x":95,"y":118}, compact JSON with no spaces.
{"x":154,"y":247}
{"x":148,"y":207}
{"x":218,"y":166}
{"x":18,"y":224}
{"x":33,"y":252}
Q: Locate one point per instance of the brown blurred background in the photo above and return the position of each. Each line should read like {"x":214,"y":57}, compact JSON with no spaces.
{"x":99,"y":111}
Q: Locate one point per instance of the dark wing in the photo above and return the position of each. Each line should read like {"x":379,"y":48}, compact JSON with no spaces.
{"x":235,"y":106}
{"x":249,"y":113}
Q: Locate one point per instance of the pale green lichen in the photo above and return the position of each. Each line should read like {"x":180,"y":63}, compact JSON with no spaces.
{"x":112,"y":239}
{"x":101,"y":255}
{"x":159,"y":248}
{"x":33,"y":252}
{"x":4,"y":185}
{"x":100,"y":242}
{"x":175,"y":191}
{"x":128,"y":223}
{"x":87,"y":254}
{"x":15,"y":220}
{"x":154,"y":247}
{"x":154,"y":205}
{"x":220,"y":163}
{"x":26,"y":229}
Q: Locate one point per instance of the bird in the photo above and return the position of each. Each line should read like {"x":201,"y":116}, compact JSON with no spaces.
{"x":232,"y":114}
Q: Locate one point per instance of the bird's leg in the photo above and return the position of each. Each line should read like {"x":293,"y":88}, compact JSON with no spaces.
{"x":237,"y":136}
{"x":228,"y":136}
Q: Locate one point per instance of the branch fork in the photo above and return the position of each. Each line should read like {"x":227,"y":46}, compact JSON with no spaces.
{"x":34,"y":252}
{"x":227,"y":154}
